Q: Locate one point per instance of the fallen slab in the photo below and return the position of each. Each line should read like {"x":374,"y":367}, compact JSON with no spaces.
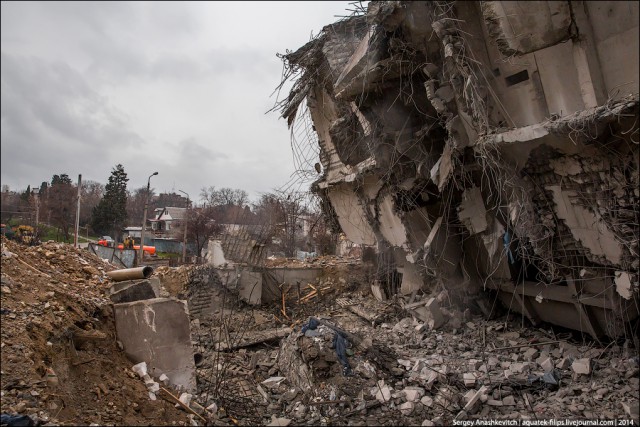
{"x":132,"y":290}
{"x":157,"y":331}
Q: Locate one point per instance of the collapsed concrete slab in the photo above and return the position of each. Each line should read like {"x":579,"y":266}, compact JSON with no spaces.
{"x":464,"y":168}
{"x":132,"y":290}
{"x":157,"y":331}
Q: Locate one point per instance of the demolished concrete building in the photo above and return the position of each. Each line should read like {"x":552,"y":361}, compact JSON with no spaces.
{"x":489,"y":148}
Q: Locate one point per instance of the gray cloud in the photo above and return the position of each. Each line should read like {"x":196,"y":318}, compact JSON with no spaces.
{"x":177,"y":87}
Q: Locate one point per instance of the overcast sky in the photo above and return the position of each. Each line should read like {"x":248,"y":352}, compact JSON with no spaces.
{"x":175,"y":87}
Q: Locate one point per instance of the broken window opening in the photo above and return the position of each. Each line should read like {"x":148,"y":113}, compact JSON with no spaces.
{"x":517,"y":78}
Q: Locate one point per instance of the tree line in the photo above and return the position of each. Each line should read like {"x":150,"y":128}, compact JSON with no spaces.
{"x":107,"y":209}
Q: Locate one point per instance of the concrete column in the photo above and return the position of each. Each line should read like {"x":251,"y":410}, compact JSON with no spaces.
{"x":585,"y":57}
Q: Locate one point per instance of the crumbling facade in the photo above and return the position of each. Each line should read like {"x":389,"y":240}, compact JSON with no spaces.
{"x":484,"y":146}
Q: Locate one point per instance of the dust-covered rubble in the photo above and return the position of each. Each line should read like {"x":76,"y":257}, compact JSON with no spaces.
{"x":414,"y":360}
{"x":61,"y":364}
{"x":405,"y":370}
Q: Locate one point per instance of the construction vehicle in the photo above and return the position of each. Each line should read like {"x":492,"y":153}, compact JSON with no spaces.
{"x":26,"y":234}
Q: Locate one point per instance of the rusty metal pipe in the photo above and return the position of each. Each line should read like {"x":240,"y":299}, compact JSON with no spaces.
{"x":131,"y":273}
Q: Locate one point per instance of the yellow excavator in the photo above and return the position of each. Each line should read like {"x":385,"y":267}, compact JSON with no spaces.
{"x":25,"y":234}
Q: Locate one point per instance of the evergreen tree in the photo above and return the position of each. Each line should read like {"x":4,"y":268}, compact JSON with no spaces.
{"x":60,"y":203}
{"x":109,"y":216}
{"x":27,"y":194}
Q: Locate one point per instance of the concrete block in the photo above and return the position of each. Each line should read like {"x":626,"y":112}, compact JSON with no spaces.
{"x":157,"y":331}
{"x":581,"y":366}
{"x":407,"y":408}
{"x":469,"y":379}
{"x":509,"y":401}
{"x":563,"y":363}
{"x":132,"y":291}
{"x":413,"y":394}
{"x":427,"y":401}
{"x":547,"y":364}
{"x":435,"y":315}
{"x":155,"y":285}
{"x":518,"y":368}
{"x":530,"y":354}
{"x":250,"y":286}
{"x":475,"y":364}
{"x":383,"y":394}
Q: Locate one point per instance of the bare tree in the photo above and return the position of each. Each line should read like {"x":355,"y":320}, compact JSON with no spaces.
{"x":202,"y":226}
{"x":135,"y":204}
{"x":91,"y":193}
{"x":224,"y":196}
{"x":284,"y":214}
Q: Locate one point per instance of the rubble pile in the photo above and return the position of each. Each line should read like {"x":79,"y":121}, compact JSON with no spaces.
{"x":424,"y":362}
{"x":356,"y":360}
{"x":61,"y":363}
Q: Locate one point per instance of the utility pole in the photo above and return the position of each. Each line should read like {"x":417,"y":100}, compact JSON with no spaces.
{"x":75,"y":238}
{"x":37,"y":200}
{"x":184,"y":239}
{"x":144,"y":220}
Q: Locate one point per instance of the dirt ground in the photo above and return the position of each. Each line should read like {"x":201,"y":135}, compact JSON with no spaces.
{"x":55,"y":317}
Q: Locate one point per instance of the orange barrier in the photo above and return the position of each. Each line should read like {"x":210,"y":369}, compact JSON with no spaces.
{"x":151,"y":250}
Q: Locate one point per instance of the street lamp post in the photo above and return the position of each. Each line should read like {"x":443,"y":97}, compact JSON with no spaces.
{"x":184,"y":240}
{"x":144,"y":220}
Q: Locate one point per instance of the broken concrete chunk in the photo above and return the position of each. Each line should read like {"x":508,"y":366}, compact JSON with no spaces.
{"x":547,"y":364}
{"x":427,"y":401}
{"x":130,"y":291}
{"x":564,"y":363}
{"x":509,"y":401}
{"x":429,"y":312}
{"x":383,"y":394}
{"x":407,"y":408}
{"x":631,"y":409}
{"x":530,"y":353}
{"x":623,"y":284}
{"x":147,"y":328}
{"x":279,"y":422}
{"x":581,"y":366}
{"x":140,"y":369}
{"x":185,"y":398}
{"x":469,"y":379}
{"x":413,"y":394}
{"x":273,"y":381}
{"x":472,"y":212}
{"x":518,"y":368}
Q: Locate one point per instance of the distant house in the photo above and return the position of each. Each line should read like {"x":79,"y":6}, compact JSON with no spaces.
{"x":135,"y":232}
{"x":166,"y":220}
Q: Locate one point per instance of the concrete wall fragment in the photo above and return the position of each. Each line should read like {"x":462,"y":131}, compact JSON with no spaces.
{"x":472,"y":212}
{"x":586,"y":227}
{"x":157,"y":331}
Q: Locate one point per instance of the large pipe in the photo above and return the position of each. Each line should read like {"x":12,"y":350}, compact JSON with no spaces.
{"x":131,"y":273}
